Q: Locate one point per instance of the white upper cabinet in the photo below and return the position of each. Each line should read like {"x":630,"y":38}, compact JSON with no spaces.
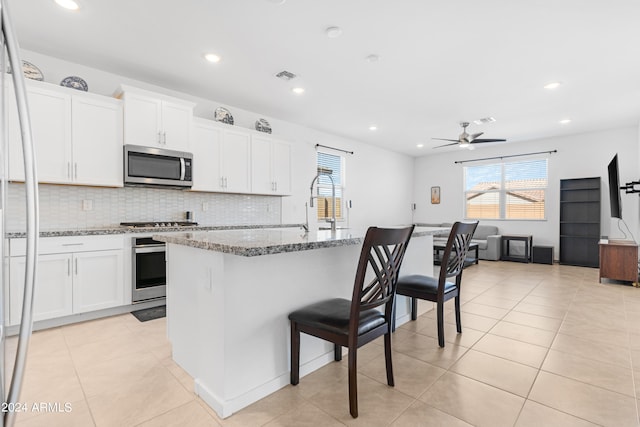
{"x":50,"y":113}
{"x":270,"y":166}
{"x":155,"y":120}
{"x":96,"y":133}
{"x":206,"y":143}
{"x":77,"y":136}
{"x":235,"y":160}
{"x":221,"y":158}
{"x":235,"y":167}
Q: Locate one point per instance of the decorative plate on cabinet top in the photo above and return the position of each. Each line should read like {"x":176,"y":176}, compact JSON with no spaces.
{"x":223,"y":115}
{"x":263,"y":126}
{"x":74,"y":82}
{"x":30,"y":71}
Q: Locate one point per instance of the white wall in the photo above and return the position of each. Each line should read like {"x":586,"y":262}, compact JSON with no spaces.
{"x":578,"y":156}
{"x":379,"y":181}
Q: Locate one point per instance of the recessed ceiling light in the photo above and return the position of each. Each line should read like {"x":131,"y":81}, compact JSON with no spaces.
{"x":298,"y":90}
{"x":372,"y":58}
{"x":420,"y":145}
{"x":68,"y":4}
{"x":277,"y":1}
{"x":552,"y":85}
{"x":333,"y":32}
{"x":564,"y":121}
{"x":373,"y":127}
{"x":212,"y":57}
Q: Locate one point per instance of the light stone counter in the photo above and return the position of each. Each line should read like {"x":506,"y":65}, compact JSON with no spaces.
{"x":119,"y":229}
{"x":227,"y":307}
{"x":269,"y":241}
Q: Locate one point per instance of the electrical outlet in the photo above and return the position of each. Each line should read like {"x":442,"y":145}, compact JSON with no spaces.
{"x":87,"y":205}
{"x":205,"y":206}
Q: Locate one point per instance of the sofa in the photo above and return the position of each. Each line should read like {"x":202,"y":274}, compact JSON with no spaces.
{"x":486,"y":236}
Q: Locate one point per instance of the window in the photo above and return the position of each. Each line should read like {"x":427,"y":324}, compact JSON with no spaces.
{"x":334,"y":164}
{"x":514,"y":190}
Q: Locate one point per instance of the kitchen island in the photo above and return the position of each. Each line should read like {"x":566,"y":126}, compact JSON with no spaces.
{"x":229,"y":293}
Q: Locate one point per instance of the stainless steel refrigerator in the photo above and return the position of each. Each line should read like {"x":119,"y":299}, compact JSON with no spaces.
{"x":10,"y":54}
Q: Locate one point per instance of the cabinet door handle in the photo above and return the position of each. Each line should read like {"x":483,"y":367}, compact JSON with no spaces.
{"x":164,"y":137}
{"x":69,"y":170}
{"x":68,"y":267}
{"x":226,"y":183}
{"x":159,"y":137}
{"x":76,"y":261}
{"x":75,"y":170}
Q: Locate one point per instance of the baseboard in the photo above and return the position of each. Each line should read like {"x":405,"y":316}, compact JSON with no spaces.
{"x":225,"y":408}
{"x":83,"y":317}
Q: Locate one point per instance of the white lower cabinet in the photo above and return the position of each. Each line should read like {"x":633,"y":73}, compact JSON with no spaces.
{"x":52,"y":294}
{"x":69,"y":282}
{"x":97,"y":280}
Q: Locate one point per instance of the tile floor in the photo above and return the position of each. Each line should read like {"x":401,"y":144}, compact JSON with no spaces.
{"x":541,"y":346}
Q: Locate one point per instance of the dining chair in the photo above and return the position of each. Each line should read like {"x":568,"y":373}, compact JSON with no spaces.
{"x":367,"y":316}
{"x":441,"y":289}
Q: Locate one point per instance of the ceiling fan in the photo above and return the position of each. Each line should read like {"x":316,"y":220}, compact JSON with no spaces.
{"x":465,"y":140}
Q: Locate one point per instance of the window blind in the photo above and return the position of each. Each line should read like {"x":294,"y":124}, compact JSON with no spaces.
{"x":514,"y":190}
{"x":329,"y":162}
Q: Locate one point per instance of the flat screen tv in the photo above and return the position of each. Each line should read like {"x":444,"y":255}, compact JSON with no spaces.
{"x":614,"y":188}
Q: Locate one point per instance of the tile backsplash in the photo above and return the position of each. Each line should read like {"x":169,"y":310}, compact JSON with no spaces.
{"x":74,"y":207}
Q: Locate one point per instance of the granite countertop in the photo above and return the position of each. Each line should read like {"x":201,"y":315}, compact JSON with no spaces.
{"x":119,"y":229}
{"x":269,"y":241}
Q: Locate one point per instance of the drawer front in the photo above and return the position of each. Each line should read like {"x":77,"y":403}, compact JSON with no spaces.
{"x":66,"y":244}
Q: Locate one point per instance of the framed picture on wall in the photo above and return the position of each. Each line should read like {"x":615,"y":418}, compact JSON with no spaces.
{"x":435,"y":195}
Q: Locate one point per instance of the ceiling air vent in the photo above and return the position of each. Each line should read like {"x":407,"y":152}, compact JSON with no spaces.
{"x":286,"y":75}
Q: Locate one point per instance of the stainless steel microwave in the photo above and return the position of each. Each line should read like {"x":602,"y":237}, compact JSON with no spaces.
{"x":148,"y":166}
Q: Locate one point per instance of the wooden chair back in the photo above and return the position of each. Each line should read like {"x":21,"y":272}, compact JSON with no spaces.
{"x":456,"y":251}
{"x":378,"y":270}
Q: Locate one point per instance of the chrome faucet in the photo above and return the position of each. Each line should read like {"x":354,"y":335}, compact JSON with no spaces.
{"x":326,"y":172}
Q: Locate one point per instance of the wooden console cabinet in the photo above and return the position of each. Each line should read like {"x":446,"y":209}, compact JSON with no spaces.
{"x":619,"y":260}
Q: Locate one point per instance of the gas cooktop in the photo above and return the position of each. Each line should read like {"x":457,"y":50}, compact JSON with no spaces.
{"x":159,"y":224}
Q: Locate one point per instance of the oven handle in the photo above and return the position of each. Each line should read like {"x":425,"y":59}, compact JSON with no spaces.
{"x":183,"y":169}
{"x":148,"y":249}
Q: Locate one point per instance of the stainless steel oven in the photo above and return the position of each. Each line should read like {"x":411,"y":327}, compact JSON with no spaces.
{"x":149,"y":269}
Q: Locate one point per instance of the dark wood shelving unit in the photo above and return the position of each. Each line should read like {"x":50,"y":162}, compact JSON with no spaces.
{"x":580,"y":221}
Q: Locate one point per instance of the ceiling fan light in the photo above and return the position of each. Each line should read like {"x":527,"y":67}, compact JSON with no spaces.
{"x":464,"y":144}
